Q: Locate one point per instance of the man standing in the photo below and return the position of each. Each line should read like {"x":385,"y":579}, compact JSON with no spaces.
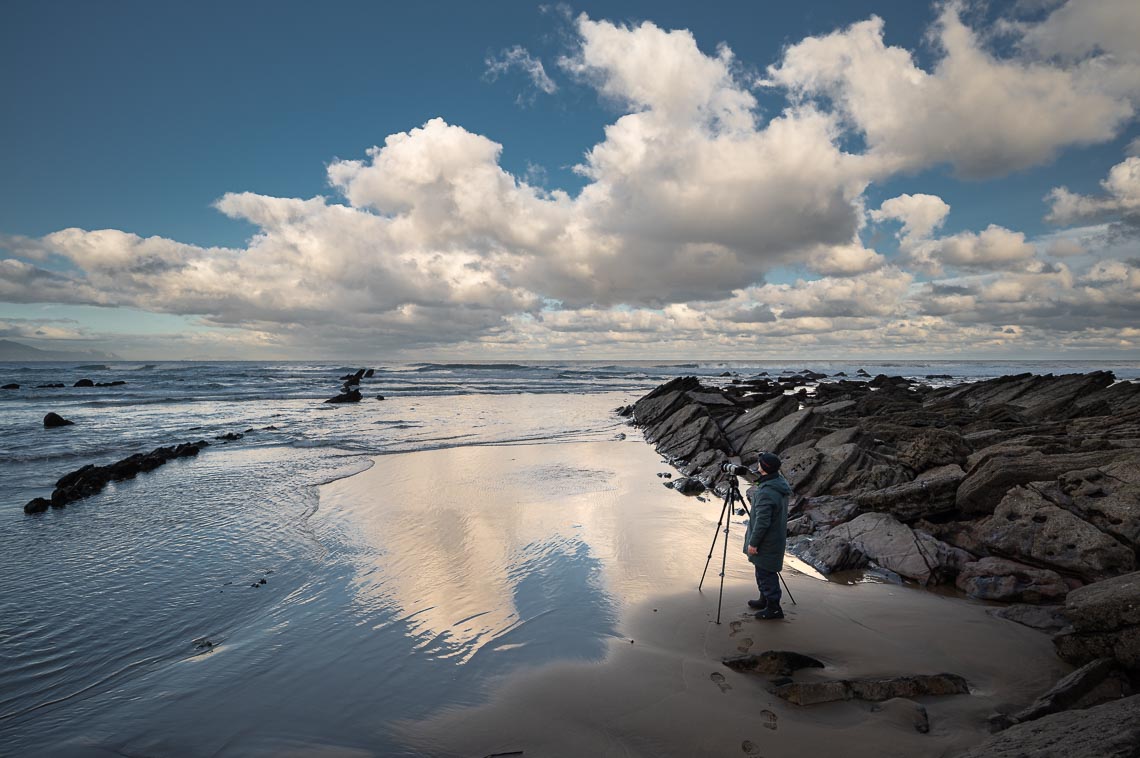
{"x":767,"y":533}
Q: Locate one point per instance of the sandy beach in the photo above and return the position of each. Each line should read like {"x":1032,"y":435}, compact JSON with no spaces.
{"x":443,"y":533}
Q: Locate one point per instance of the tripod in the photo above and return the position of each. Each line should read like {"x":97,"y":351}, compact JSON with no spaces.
{"x":731,"y":497}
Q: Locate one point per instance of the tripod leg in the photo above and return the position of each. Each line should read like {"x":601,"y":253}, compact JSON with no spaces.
{"x":787,"y":590}
{"x":723,"y":561}
{"x":712,"y":547}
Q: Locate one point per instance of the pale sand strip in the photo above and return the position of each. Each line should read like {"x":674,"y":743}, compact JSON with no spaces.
{"x":442,"y":535}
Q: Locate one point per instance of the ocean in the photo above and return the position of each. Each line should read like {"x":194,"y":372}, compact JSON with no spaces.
{"x":115,"y":610}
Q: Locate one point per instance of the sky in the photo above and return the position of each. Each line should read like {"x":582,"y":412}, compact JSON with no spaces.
{"x":357,"y":180}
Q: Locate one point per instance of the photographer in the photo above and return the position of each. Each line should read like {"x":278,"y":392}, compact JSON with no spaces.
{"x":767,"y":532}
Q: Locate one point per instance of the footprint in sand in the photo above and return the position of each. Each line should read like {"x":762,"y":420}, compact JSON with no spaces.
{"x":745,"y":645}
{"x":718,"y":678}
{"x":735,"y":626}
{"x":750,"y":748}
{"x":768,"y":720}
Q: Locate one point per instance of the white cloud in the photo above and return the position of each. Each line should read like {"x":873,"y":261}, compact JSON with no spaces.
{"x":920,"y":214}
{"x":982,"y":114}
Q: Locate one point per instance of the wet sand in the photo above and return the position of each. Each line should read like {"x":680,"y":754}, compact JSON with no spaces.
{"x":654,"y":684}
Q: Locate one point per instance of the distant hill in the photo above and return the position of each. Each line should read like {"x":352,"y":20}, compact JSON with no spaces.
{"x":16,"y":351}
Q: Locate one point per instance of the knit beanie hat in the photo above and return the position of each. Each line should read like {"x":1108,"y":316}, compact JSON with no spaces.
{"x":770,"y":462}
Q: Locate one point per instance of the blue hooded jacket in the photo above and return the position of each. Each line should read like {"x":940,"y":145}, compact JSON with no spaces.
{"x":768,"y":522}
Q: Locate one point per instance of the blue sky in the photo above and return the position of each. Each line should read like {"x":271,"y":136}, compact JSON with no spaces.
{"x":138,"y":117}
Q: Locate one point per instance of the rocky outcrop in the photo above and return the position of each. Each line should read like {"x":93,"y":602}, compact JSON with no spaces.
{"x":1111,"y":730}
{"x":91,"y":479}
{"x":349,"y":396}
{"x":1106,"y":623}
{"x":772,"y":662}
{"x":1097,"y":682}
{"x":10,"y":386}
{"x":1009,"y":582}
{"x":1042,"y":472}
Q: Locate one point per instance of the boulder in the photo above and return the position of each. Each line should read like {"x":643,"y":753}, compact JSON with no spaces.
{"x":834,"y":463}
{"x":351,"y":396}
{"x":84,"y":383}
{"x":1106,"y":623}
{"x":688,"y":485}
{"x":741,"y":428}
{"x":872,"y":689}
{"x":798,"y":464}
{"x":822,"y":513}
{"x":53,"y":420}
{"x":879,"y":537}
{"x":11,"y":386}
{"x":772,"y":662}
{"x":1008,"y":582}
{"x":789,"y":430}
{"x":1111,"y":730}
{"x":1105,"y":497}
{"x":930,"y":494}
{"x":1029,"y":528}
{"x":37,"y":505}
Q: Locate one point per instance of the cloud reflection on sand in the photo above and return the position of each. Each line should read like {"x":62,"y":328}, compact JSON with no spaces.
{"x":486,"y":549}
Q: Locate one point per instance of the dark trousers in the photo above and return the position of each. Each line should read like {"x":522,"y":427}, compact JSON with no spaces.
{"x":769,"y":584}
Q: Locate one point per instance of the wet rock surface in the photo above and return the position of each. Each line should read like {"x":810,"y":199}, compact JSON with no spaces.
{"x":1111,"y":730}
{"x":873,"y":689}
{"x":53,"y":420}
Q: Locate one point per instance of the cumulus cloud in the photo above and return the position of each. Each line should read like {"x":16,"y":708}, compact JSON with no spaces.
{"x":518,"y":57}
{"x":920,"y":214}
{"x":1121,"y":197}
{"x":982,"y":114}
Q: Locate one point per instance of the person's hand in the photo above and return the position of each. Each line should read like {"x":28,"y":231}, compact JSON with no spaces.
{"x":753,"y":550}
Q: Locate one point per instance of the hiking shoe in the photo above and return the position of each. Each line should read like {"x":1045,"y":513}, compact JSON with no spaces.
{"x":770,"y":613}
{"x":758,"y":605}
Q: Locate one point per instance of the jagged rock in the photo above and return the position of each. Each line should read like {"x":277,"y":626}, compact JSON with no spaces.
{"x":905,"y":712}
{"x":931,"y":448}
{"x":1029,"y":528}
{"x":1106,"y":622}
{"x":824,"y":512}
{"x":875,"y":690}
{"x":663,"y":400}
{"x":833,"y":465}
{"x":999,"y":579}
{"x":369,"y":373}
{"x":1107,"y":498}
{"x":798,"y":465}
{"x":84,"y":383}
{"x":741,"y":428}
{"x":790,"y":430}
{"x":1111,"y":730}
{"x":11,"y":386}
{"x":37,"y":505}
{"x":230,"y":436}
{"x":879,"y":537}
{"x":53,"y":420}
{"x":351,"y":396}
{"x":1045,"y":618}
{"x":929,"y":494}
{"x":839,"y":437}
{"x":986,"y":485}
{"x":861,"y":372}
{"x":1096,"y":682}
{"x":772,"y":662}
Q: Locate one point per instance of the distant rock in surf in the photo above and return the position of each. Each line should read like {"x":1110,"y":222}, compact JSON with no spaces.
{"x":12,"y":386}
{"x":53,"y":420}
{"x":350,"y":396}
{"x":84,"y":383}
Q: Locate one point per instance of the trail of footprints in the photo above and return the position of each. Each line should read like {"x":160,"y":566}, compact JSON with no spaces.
{"x":767,"y":718}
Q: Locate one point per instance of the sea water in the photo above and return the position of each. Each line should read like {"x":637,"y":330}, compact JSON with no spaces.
{"x":107,"y":605}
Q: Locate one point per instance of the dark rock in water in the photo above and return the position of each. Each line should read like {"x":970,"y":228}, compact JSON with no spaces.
{"x":369,"y":373}
{"x":230,"y":436}
{"x":91,"y":479}
{"x":116,"y":383}
{"x":624,"y":410}
{"x":12,"y":386}
{"x":50,"y":386}
{"x":37,"y":505}
{"x":772,"y":662}
{"x":999,"y":579}
{"x":379,"y":397}
{"x":353,"y":379}
{"x":351,"y":396}
{"x":53,"y":420}
{"x":1098,"y":682}
{"x":939,"y":376}
{"x":875,"y":690}
{"x":839,"y":373}
{"x":726,"y":373}
{"x":861,"y":372}
{"x":1111,"y":730}
{"x":1106,"y":623}
{"x":84,"y":383}
{"x":93,"y":367}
